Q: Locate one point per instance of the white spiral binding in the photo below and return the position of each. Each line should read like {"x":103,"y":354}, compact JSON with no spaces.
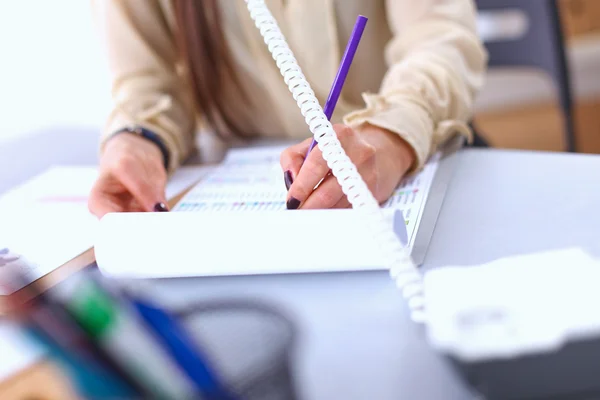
{"x":401,"y":267}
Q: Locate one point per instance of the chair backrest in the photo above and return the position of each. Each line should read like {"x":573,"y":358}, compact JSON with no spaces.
{"x":541,"y":46}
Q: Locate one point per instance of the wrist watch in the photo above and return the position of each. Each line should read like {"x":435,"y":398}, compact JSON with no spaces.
{"x":151,"y":136}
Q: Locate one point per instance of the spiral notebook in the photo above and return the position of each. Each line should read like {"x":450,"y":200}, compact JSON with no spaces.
{"x":234,"y":221}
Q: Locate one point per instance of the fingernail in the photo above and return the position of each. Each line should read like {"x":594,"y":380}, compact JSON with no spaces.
{"x":293,"y":203}
{"x":160,"y":207}
{"x":287,"y":177}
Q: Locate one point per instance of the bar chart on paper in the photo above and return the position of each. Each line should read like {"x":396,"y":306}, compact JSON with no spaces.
{"x":411,"y":196}
{"x":251,"y":180}
{"x":247,"y":180}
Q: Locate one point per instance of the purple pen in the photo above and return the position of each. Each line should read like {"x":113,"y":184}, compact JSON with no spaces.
{"x":338,"y":82}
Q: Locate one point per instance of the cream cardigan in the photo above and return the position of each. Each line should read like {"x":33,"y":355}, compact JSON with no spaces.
{"x":417,"y":71}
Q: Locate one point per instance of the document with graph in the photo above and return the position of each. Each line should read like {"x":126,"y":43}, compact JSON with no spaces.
{"x":251,"y":180}
{"x":235,"y":222}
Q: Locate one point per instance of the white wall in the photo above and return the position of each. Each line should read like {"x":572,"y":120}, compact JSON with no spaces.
{"x":52,"y":71}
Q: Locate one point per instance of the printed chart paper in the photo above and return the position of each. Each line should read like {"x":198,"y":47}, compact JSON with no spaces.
{"x":251,"y":180}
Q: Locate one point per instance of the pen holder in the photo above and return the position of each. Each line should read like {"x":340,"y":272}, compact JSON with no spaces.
{"x":250,"y":345}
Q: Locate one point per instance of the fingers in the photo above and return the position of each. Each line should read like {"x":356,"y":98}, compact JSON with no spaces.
{"x":291,"y":161}
{"x":327,"y":195}
{"x":132,"y":177}
{"x":126,"y":186}
{"x":101,"y":201}
{"x":146,"y":182}
{"x":110,"y":195}
{"x":313,"y":172}
{"x":343,"y":203}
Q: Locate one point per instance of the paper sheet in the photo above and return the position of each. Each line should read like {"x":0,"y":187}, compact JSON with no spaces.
{"x":252,"y":180}
{"x":238,"y":243}
{"x":47,"y":221}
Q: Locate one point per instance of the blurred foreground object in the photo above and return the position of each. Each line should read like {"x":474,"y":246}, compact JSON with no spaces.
{"x":109,"y":348}
{"x":44,"y":381}
{"x":520,"y":327}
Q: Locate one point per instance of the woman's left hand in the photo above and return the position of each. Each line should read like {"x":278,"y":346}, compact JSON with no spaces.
{"x":381,"y":157}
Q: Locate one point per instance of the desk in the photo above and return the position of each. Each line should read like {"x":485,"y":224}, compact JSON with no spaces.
{"x":32,"y":154}
{"x":356,"y":339}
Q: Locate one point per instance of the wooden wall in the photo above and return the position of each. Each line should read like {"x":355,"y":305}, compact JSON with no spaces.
{"x":580,"y":17}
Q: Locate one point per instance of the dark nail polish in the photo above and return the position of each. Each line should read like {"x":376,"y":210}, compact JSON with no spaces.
{"x":160,"y":207}
{"x":293,"y":203}
{"x":287,"y":177}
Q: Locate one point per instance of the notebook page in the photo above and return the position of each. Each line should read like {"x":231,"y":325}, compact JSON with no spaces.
{"x":252,"y":180}
{"x":247,"y":180}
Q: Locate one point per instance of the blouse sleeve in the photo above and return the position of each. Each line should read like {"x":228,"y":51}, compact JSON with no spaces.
{"x":436,"y":65}
{"x":147,"y":90}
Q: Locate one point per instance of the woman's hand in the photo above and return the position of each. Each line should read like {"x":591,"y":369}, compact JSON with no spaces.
{"x":381,"y":157}
{"x":132,"y":177}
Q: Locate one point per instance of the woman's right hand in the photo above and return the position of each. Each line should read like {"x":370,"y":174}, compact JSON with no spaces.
{"x":132,"y":177}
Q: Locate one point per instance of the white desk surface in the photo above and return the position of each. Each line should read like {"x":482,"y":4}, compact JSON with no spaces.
{"x":356,"y":341}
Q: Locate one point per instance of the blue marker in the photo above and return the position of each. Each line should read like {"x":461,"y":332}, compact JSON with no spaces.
{"x":182,"y":349}
{"x":112,"y":323}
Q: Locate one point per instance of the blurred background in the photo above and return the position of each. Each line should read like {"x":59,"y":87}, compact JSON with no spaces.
{"x":53,"y":67}
{"x":53,"y":72}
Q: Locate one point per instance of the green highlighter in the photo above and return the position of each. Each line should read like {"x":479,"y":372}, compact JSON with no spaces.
{"x":114,"y":325}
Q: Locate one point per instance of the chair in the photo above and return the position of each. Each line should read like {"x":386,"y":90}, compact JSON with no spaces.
{"x":540,"y":47}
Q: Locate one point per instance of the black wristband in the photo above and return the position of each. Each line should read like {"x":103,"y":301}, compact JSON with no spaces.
{"x":151,"y":136}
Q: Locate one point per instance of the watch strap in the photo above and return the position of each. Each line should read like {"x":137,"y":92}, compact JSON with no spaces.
{"x":151,"y":136}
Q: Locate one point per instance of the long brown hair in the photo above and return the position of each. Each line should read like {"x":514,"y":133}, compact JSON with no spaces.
{"x":204,"y":50}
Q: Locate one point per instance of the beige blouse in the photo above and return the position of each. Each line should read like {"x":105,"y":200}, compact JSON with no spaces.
{"x":417,"y":70}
